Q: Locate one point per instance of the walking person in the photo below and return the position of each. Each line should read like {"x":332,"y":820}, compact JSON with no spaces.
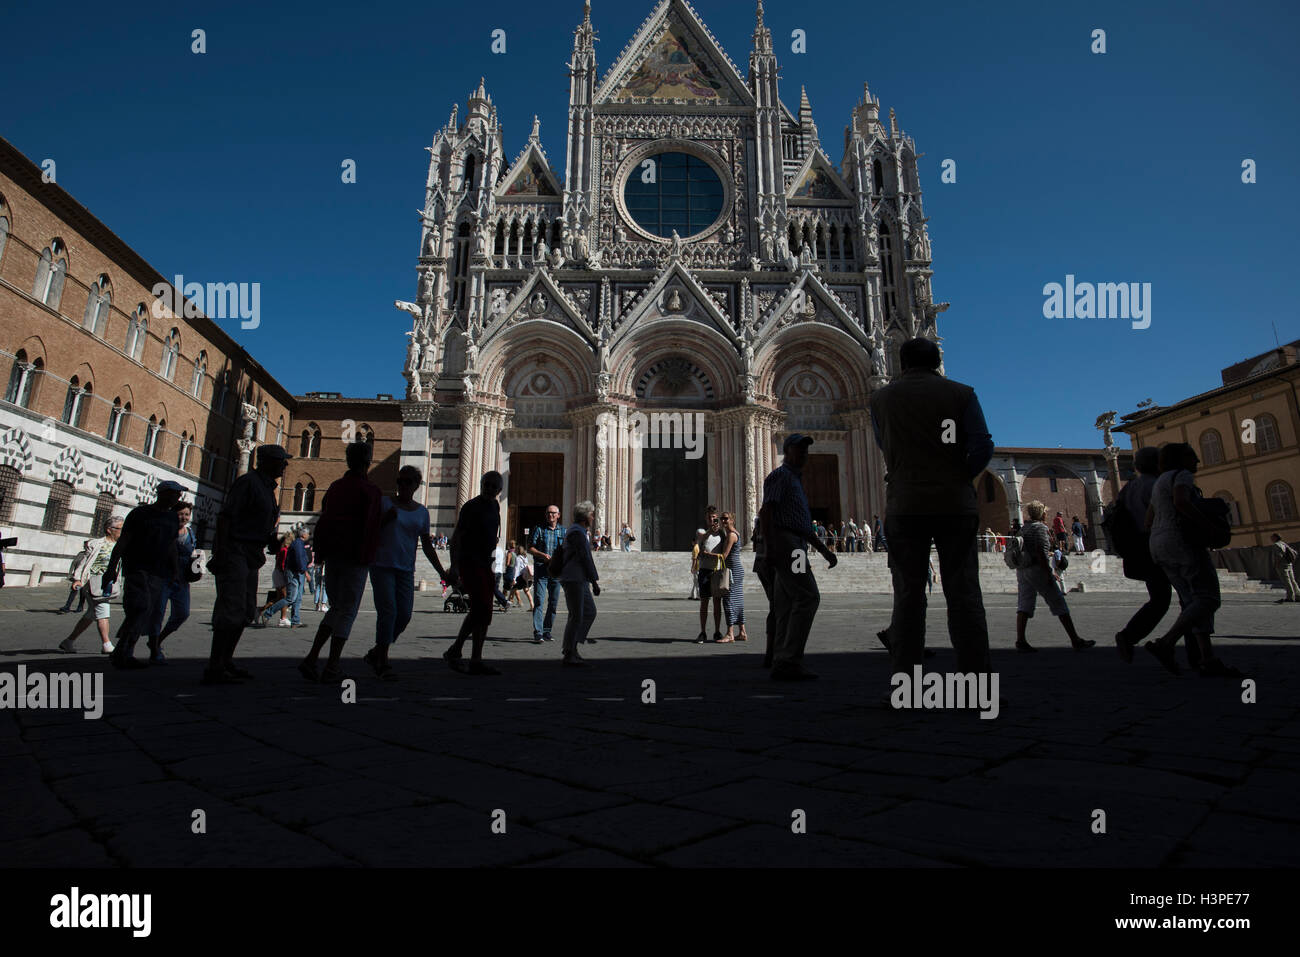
{"x":1178,"y":530}
{"x":177,"y":591}
{"x":735,"y":598}
{"x":850,"y":536}
{"x":580,"y":581}
{"x":930,"y":499}
{"x":1058,"y":528}
{"x":1132,"y":542}
{"x":405,"y":524}
{"x":878,"y":533}
{"x":523,"y":582}
{"x":1284,"y":557}
{"x":787,"y":535}
{"x":322,"y":593}
{"x":546,"y":590}
{"x":710,"y":562}
{"x":1038,"y":577}
{"x":245,"y":529}
{"x":477,"y":529}
{"x":74,"y":591}
{"x":347,"y":537}
{"x":498,"y":577}
{"x":625,"y":537}
{"x":279,"y":586}
{"x":296,"y":560}
{"x":88,"y":579}
{"x":147,"y":554}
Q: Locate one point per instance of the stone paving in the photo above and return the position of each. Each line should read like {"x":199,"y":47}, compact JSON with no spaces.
{"x":711,"y":774}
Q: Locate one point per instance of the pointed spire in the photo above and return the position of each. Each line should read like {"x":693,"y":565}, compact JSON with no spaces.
{"x":586,"y":13}
{"x":805,"y":107}
{"x":760,"y":14}
{"x":893,"y":122}
{"x":480,"y":93}
{"x":455,"y":113}
{"x":762,"y":35}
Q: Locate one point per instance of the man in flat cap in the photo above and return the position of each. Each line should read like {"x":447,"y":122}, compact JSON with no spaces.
{"x":246,"y":528}
{"x":146,"y":551}
{"x":787,"y":530}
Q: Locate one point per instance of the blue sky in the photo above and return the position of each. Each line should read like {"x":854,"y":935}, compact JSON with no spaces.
{"x":1119,"y":167}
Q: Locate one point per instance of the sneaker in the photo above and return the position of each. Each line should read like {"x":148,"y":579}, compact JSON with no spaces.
{"x":537,"y":638}
{"x":285,"y":623}
{"x":68,"y":646}
{"x":701,"y":638}
{"x":324,"y":607}
{"x":108,"y":648}
{"x":546,"y":636}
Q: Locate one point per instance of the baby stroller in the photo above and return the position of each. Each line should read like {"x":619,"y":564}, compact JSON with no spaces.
{"x":457,"y":601}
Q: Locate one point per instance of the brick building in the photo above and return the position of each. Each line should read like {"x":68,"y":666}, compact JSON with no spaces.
{"x":108,"y":390}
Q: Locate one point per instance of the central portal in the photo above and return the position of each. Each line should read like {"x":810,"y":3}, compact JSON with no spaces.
{"x":673,"y":491}
{"x":536,"y":481}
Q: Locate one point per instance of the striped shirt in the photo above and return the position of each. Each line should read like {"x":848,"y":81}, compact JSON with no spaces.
{"x":783,"y":490}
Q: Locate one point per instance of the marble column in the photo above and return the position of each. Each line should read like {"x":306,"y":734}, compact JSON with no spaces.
{"x":468,"y":450}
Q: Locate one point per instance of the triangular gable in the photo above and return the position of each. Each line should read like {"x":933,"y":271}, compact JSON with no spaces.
{"x":808,"y":290}
{"x":558,"y":307}
{"x":817,"y":181}
{"x":530,"y":177}
{"x":694,"y":305}
{"x":673,"y":57}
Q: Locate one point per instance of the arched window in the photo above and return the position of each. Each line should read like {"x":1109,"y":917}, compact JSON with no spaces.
{"x":460,"y":284}
{"x":309,"y":498}
{"x":223,"y":391}
{"x":114,"y":420}
{"x":1281,"y":502}
{"x":171,"y":349}
{"x":297,"y":496}
{"x":309,"y":447}
{"x":9,"y":479}
{"x":22,"y":380}
{"x":469,"y":172}
{"x":1211,"y":447}
{"x":878,"y":176}
{"x":888,"y":278}
{"x":184,"y":452}
{"x":1266,"y":435}
{"x":200,"y":370}
{"x":56,"y":508}
{"x":1234,"y":510}
{"x":137,"y":330}
{"x":74,"y":404}
{"x":262,"y":419}
{"x":104,"y":506}
{"x":50,"y":273}
{"x":4,"y":225}
{"x":279,"y":432}
{"x":97,"y":306}
{"x":151,"y":436}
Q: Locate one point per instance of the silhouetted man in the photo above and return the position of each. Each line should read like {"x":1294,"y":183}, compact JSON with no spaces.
{"x":347,"y":537}
{"x":477,"y":530}
{"x":246,"y":527}
{"x":787,"y":533}
{"x":935,"y":442}
{"x":147,"y":550}
{"x":1134,"y":498}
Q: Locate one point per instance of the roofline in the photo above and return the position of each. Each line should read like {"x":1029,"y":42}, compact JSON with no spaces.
{"x":27,"y":175}
{"x":1027,"y":450}
{"x":1146,"y":415}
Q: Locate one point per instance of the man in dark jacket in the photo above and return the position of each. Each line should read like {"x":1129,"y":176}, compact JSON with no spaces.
{"x":477,"y":531}
{"x":935,"y":441}
{"x":1134,"y":498}
{"x":147,"y":551}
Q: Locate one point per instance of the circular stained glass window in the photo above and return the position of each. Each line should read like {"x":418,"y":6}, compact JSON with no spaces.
{"x":674,"y":192}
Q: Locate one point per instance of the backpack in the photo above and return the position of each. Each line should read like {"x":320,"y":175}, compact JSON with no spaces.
{"x":1215,"y":511}
{"x":1121,"y":531}
{"x":1063,"y":564}
{"x":1014,"y":556}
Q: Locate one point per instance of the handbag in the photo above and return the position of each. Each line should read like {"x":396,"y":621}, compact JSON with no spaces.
{"x":1215,"y":513}
{"x":720,"y":583}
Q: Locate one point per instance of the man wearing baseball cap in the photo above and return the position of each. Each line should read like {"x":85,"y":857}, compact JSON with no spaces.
{"x":246,"y":527}
{"x":787,"y":530}
{"x":147,"y":552}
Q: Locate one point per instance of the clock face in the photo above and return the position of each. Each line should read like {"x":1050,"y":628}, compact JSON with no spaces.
{"x":674,"y":192}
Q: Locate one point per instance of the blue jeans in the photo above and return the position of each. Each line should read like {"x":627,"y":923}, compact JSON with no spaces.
{"x":582,"y":614}
{"x":178,"y":593}
{"x":546,"y":595}
{"x":292,"y":598}
{"x":393,"y":590}
{"x":322,"y":597}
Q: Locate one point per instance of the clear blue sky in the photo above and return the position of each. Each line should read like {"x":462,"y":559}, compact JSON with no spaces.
{"x":1117,"y":167}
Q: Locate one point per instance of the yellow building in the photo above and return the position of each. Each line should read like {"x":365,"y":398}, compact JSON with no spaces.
{"x":1247,"y":434}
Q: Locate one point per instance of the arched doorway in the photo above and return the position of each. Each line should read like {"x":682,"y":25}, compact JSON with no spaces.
{"x":670,"y":393}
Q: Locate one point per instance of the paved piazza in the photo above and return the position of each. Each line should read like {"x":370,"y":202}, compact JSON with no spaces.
{"x":712,"y":773}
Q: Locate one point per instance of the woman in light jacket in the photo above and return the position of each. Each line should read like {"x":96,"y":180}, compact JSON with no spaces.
{"x":579,"y":580}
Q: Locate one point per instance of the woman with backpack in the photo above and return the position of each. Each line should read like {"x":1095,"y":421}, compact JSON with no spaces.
{"x":1035,"y":576}
{"x":1181,"y":531}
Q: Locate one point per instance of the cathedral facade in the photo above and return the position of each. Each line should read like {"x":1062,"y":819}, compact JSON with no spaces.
{"x":702,"y":263}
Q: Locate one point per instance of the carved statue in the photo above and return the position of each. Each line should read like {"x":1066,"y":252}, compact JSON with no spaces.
{"x":498,"y":303}
{"x":806,"y":255}
{"x":410,"y":307}
{"x":471,"y":354}
{"x":433,"y":241}
{"x":792,"y":262}
{"x":480,"y":244}
{"x":412,"y":354}
{"x":426,"y":286}
{"x":580,"y":251}
{"x":873,"y":242}
{"x":754,"y":264}
{"x":675,"y":248}
{"x":557,"y":257}
{"x":751,"y":392}
{"x":1105,"y":422}
{"x":542,"y":254}
{"x":766,"y":247}
{"x":675,"y":301}
{"x":748,"y":356}
{"x":878,"y":366}
{"x":538,"y":304}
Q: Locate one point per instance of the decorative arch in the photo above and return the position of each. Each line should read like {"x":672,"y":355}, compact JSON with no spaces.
{"x":811,"y":344}
{"x":68,"y":466}
{"x":674,"y":380}
{"x":16,"y":449}
{"x":716,"y":358}
{"x":567,"y":355}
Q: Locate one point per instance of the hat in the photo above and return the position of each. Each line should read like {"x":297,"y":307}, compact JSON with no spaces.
{"x":170,"y":486}
{"x":795,"y":439}
{"x":266,"y":453}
